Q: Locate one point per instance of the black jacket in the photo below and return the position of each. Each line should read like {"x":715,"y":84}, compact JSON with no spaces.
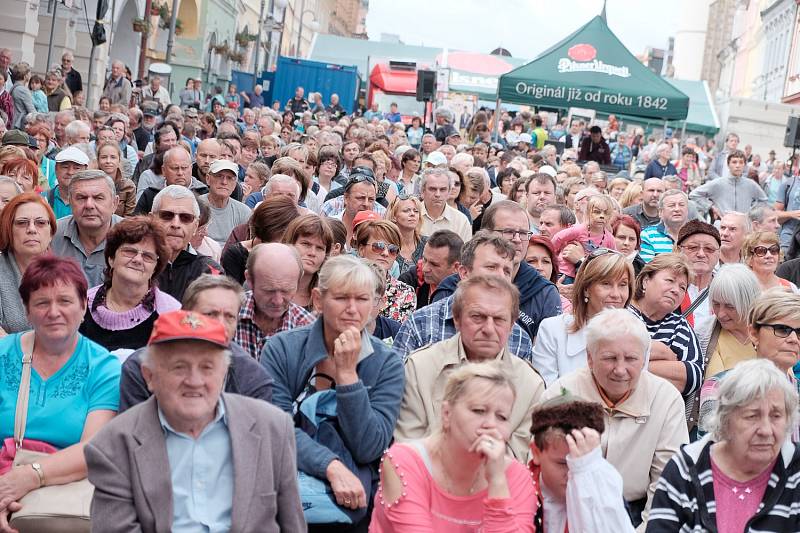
{"x":186,"y":268}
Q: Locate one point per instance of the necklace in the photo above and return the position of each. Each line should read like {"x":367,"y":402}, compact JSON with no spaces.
{"x":450,"y":485}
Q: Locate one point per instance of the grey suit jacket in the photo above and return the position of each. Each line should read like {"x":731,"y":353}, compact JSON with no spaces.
{"x":129,"y":468}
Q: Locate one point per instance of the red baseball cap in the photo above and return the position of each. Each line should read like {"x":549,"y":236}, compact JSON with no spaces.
{"x":363,"y":216}
{"x":186,"y":325}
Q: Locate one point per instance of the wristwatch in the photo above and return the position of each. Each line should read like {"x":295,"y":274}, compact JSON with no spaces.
{"x":39,"y":472}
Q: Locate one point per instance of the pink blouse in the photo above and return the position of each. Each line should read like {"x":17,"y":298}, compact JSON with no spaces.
{"x":424,"y":507}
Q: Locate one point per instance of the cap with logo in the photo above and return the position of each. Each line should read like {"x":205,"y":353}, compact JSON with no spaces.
{"x":187,"y":325}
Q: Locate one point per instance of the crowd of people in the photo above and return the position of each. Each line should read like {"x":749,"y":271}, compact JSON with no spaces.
{"x":236,"y":316}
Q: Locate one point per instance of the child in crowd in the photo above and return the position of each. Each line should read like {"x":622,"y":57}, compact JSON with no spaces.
{"x":593,"y":234}
{"x":39,"y":98}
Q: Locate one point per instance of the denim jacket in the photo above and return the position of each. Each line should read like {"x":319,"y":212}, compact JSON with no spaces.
{"x":367,"y":410}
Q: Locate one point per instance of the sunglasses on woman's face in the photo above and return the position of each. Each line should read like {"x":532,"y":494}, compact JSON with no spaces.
{"x":379,"y":246}
{"x":781,"y":330}
{"x":761,"y":251}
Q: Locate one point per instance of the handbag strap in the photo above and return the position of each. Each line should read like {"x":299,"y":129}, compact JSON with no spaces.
{"x":21,"y":416}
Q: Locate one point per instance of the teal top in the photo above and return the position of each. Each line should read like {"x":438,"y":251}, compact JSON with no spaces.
{"x":57,"y":408}
{"x":201,"y":470}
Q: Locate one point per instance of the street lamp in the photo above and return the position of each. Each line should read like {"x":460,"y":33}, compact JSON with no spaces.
{"x":313,"y":25}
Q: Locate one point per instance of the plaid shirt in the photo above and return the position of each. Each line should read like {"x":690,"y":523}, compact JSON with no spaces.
{"x":250,"y":337}
{"x":434,"y":323}
{"x":335,"y":207}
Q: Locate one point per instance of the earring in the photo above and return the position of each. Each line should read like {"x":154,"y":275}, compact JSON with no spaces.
{"x":585,"y":299}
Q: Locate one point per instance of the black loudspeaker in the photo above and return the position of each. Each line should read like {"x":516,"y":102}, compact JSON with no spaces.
{"x":792,"y":138}
{"x":426,"y":85}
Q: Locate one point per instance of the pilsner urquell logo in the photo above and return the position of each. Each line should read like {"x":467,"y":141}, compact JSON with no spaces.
{"x":582,"y":52}
{"x":582,"y":59}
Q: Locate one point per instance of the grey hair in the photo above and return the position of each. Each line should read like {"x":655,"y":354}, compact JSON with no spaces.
{"x":11,"y":181}
{"x":88,"y":175}
{"x":118,"y":117}
{"x":613,"y":324}
{"x":736,"y":285}
{"x":146,"y":358}
{"x":443,"y":112}
{"x":434,"y":171}
{"x":464,"y":158}
{"x":346,"y":272}
{"x":748,"y":227}
{"x":207,"y":282}
{"x":279,"y":178}
{"x":75,"y":127}
{"x":758,"y":212}
{"x":671,"y":192}
{"x":169,"y":154}
{"x":176,"y":192}
{"x":746,"y":382}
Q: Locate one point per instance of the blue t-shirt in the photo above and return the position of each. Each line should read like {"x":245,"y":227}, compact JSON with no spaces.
{"x":57,"y":408}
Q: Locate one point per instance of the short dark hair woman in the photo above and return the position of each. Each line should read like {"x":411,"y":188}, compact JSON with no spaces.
{"x":121,"y":312}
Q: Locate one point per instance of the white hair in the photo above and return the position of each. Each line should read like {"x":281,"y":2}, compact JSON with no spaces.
{"x":735,"y":284}
{"x":462,"y":158}
{"x":276,"y":179}
{"x":75,"y":128}
{"x":89,"y":175}
{"x":614,"y":324}
{"x":176,"y":192}
{"x":746,"y":382}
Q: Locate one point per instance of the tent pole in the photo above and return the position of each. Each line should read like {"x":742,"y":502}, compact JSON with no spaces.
{"x":683,"y":134}
{"x":496,"y":127}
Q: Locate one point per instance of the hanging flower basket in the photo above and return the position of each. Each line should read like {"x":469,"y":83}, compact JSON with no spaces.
{"x":243,"y":38}
{"x":141,"y":26}
{"x":221,"y":48}
{"x":236,"y":57}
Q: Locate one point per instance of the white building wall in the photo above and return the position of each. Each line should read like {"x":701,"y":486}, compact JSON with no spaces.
{"x":690,"y":39}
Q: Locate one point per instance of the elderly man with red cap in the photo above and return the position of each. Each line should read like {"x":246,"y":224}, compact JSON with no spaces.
{"x":192,"y":457}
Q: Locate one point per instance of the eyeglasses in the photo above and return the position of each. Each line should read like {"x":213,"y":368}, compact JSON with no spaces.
{"x":694,"y":248}
{"x":509,"y":234}
{"x":780,"y":330}
{"x":761,"y":251}
{"x":379,"y":246}
{"x":129,"y":253}
{"x":169,"y":216}
{"x":23,"y":223}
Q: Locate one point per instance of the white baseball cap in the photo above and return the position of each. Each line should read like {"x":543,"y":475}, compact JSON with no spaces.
{"x":436,"y":158}
{"x":525,"y":138}
{"x":73,"y":155}
{"x":547,"y":169}
{"x":224,"y":164}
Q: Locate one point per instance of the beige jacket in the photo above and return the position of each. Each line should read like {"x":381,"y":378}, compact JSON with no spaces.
{"x":642,"y":433}
{"x":427,"y":371}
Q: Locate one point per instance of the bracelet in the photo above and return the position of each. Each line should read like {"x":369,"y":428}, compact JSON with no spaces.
{"x":39,"y":472}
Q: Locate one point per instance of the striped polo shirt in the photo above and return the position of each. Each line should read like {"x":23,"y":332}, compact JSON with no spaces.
{"x":655,"y":240}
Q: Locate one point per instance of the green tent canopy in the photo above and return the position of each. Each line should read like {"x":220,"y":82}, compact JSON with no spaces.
{"x":592,"y":69}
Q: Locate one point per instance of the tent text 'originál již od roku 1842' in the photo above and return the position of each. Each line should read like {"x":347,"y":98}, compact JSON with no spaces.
{"x":592,"y":69}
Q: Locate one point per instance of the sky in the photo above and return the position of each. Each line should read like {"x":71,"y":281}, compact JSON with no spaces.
{"x":524,"y":27}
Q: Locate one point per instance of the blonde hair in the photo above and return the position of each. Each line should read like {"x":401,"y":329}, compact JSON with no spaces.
{"x":630,"y":194}
{"x":490,"y":371}
{"x":394,"y":207}
{"x":775,"y":304}
{"x":753,"y":239}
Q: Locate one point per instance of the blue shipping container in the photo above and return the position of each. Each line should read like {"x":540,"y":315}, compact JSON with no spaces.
{"x":314,"y":76}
